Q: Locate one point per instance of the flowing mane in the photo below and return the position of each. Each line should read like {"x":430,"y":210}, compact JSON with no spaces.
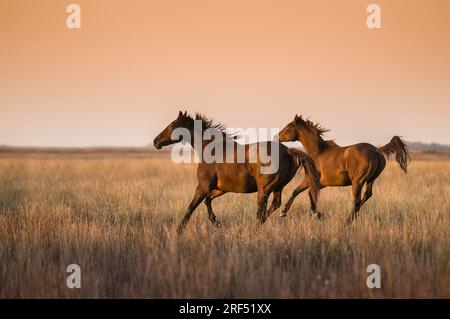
{"x":316,"y":129}
{"x":208,"y":122}
{"x":312,"y":127}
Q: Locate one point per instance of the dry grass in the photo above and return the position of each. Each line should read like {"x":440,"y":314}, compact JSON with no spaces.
{"x":115,"y":216}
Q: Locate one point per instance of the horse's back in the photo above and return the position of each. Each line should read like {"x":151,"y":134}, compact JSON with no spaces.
{"x":364,"y":159}
{"x":363,"y":152}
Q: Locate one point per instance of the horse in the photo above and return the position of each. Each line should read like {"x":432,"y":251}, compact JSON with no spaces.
{"x":240,"y":176}
{"x":354,"y":165}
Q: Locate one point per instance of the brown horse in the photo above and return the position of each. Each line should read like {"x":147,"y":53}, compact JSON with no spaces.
{"x":238,"y":176}
{"x":356,"y":165}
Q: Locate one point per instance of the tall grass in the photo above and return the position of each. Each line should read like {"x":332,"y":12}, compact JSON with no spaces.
{"x":115,"y":216}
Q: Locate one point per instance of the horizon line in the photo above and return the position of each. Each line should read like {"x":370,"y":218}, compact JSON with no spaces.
{"x":4,"y":146}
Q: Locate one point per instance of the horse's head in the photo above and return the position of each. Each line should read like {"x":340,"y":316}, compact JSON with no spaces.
{"x":290,"y":132}
{"x":165,"y":137}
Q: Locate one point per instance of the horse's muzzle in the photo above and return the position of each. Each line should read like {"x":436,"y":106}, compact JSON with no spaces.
{"x":157,"y":145}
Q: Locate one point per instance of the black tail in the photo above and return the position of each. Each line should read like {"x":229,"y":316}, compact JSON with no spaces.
{"x":311,"y":171}
{"x":397,"y":146}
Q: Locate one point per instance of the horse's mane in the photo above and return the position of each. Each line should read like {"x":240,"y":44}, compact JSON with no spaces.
{"x":208,"y":122}
{"x":316,"y":129}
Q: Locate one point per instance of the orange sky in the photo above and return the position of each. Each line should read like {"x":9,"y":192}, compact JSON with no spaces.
{"x":123,"y":77}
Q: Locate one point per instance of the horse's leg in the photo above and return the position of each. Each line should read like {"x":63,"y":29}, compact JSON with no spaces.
{"x":276,"y":203}
{"x":376,"y":166}
{"x":379,"y":168}
{"x":198,"y":198}
{"x":262,"y":206}
{"x":303,"y":186}
{"x":367,"y":193}
{"x":211,"y":216}
{"x":356,"y":188}
{"x":313,"y":201}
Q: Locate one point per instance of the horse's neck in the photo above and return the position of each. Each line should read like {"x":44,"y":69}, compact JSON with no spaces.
{"x":311,"y":143}
{"x":196,"y":142}
{"x":199,"y":144}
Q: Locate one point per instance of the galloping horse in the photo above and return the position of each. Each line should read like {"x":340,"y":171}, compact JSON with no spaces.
{"x":216,"y":179}
{"x":353,"y":165}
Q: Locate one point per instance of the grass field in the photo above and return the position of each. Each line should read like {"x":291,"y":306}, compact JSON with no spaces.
{"x":116,"y":214}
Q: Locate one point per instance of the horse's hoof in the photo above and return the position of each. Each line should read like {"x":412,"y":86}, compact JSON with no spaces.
{"x":283,"y":214}
{"x":319,"y":215}
{"x":217,"y":224}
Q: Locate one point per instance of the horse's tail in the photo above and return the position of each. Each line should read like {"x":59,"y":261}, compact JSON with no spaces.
{"x":304,"y":160}
{"x":397,"y":146}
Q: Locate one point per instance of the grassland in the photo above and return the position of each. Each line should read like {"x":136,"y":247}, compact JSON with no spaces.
{"x":115,"y":215}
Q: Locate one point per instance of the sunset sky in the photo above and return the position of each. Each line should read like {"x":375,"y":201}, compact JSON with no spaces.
{"x":122,"y":77}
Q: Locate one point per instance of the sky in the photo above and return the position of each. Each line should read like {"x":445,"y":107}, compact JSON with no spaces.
{"x":122,"y":77}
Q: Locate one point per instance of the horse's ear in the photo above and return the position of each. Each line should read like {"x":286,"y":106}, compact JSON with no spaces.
{"x":180,"y":115}
{"x":185,"y":113}
{"x":296,"y":118}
